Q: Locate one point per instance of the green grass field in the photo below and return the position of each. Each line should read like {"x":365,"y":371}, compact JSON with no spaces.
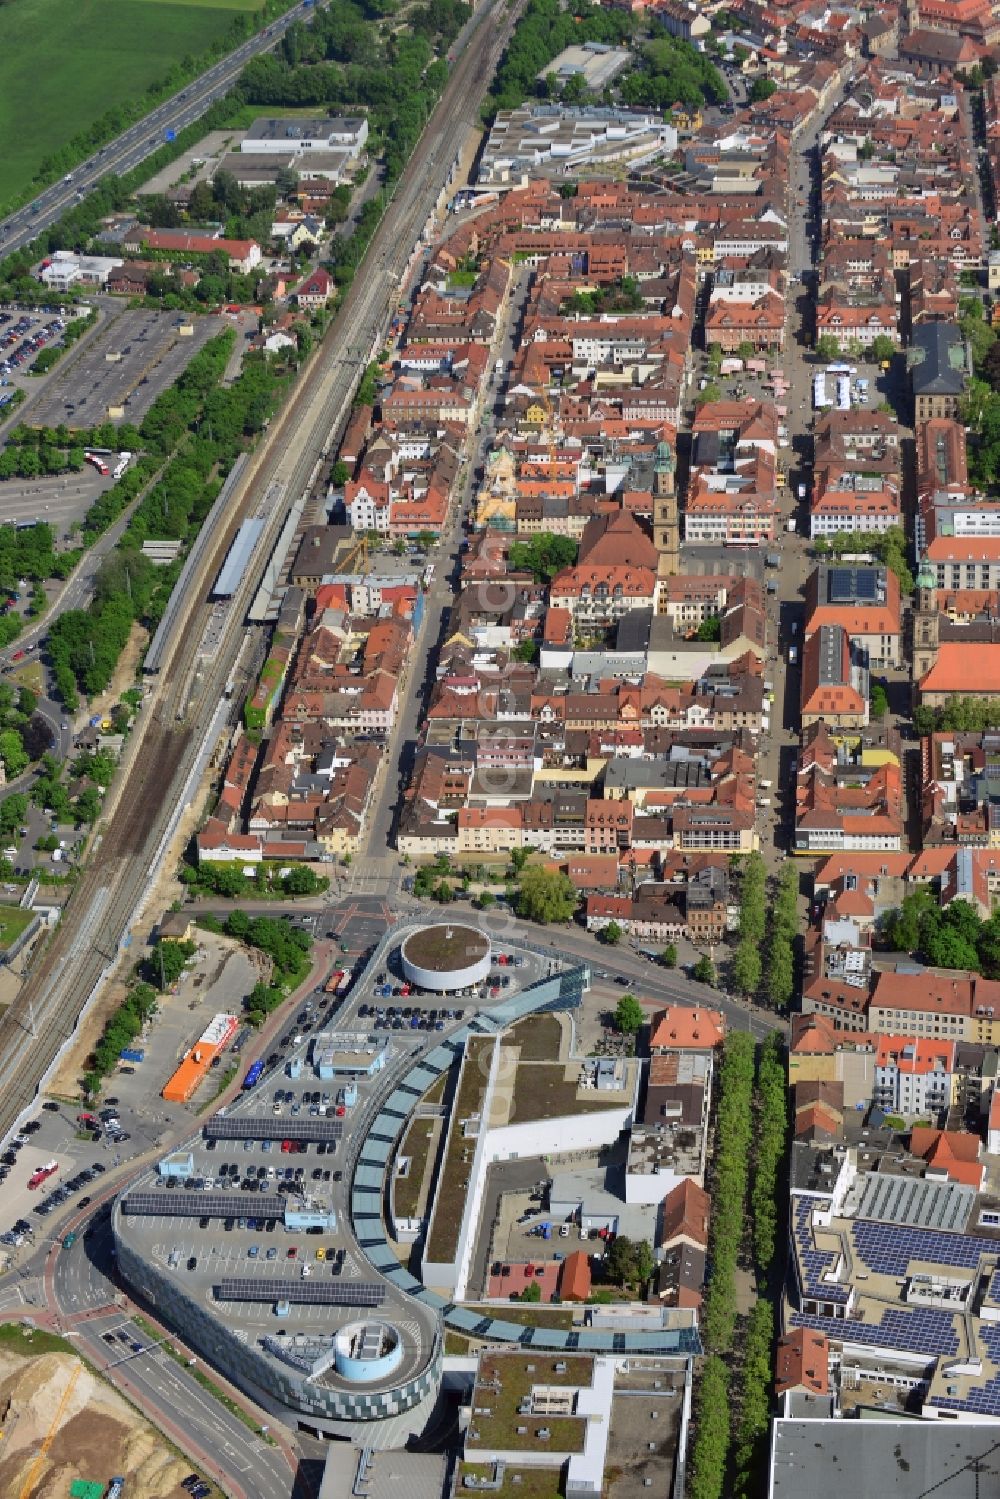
{"x":60,"y":69}
{"x":12,"y":923}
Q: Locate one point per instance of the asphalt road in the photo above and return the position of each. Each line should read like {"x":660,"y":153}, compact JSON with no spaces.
{"x":86,"y":1303}
{"x":142,"y":139}
{"x":83,"y":1293}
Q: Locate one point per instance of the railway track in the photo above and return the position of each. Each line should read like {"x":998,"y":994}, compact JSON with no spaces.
{"x":170,"y":734}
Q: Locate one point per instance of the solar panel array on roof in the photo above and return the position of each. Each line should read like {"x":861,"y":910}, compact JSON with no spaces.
{"x":889,"y":1249}
{"x":202,"y":1205}
{"x":813,"y":1263}
{"x":915,"y":1330}
{"x":255,"y":1127}
{"x":983,"y":1399}
{"x":852,"y":585}
{"x":311,"y":1292}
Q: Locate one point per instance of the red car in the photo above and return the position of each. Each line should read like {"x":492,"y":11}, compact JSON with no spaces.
{"x":18,"y":656}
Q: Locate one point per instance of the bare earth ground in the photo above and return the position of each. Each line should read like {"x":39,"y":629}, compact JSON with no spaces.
{"x":98,"y":1435}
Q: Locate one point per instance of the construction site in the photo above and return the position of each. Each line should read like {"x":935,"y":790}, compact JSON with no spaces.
{"x":65,"y":1434}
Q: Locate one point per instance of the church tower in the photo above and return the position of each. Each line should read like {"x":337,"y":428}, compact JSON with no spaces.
{"x":666,"y":523}
{"x":926,"y":622}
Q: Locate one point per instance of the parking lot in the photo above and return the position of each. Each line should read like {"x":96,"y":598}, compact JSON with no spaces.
{"x":120,"y":373}
{"x":23,"y":335}
{"x":276,"y":1201}
{"x":21,"y":1203}
{"x":61,"y":499}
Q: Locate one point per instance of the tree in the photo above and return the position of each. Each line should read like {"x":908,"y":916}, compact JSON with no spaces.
{"x":710,"y":628}
{"x":752,"y":898}
{"x":882,"y":348}
{"x":612,"y":934}
{"x":13,"y":810}
{"x":747,"y":968}
{"x":531,"y":1293}
{"x":711,"y":393}
{"x":761,"y":89}
{"x":88,"y":805}
{"x":711,"y":1432}
{"x":526,"y":651}
{"x":903,"y":926}
{"x":780,"y":973}
{"x":879,"y":702}
{"x":704,"y":971}
{"x":628,"y":1262}
{"x":301,"y":880}
{"x":543,"y":556}
{"x":827,"y":346}
{"x":13,"y":753}
{"x":486,"y":900}
{"x":629,"y":1015}
{"x":545,"y":895}
{"x":668,"y":957}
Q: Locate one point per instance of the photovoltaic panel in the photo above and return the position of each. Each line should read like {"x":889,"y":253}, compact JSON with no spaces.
{"x":272,"y":1127}
{"x":202,"y":1205}
{"x":311,"y":1292}
{"x":853,"y":585}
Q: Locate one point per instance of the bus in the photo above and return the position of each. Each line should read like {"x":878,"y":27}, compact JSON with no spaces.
{"x":253,"y":1074}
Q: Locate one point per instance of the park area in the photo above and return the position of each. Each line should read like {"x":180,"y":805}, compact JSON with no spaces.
{"x":61,"y":70}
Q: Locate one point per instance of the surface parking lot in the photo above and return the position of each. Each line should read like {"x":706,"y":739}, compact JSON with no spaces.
{"x":133,"y":360}
{"x":23,"y":335}
{"x":60,"y":499}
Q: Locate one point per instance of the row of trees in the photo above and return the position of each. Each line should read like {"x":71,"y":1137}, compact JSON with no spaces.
{"x":747,"y":966}
{"x":956,"y":937}
{"x":771,"y":1137}
{"x":229,"y":881}
{"x":733,"y":1136}
{"x":959,"y":715}
{"x":740,"y":1132}
{"x":120,"y":1031}
{"x":750,"y":1437}
{"x":881,"y":348}
{"x":780,"y":985}
{"x":707,"y":1468}
{"x":779,"y":926}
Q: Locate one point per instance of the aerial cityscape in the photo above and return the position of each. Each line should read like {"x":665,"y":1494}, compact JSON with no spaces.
{"x":500,"y":750}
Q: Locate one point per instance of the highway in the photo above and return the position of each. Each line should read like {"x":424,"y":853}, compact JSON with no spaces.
{"x":183,"y":711}
{"x":141,"y":139}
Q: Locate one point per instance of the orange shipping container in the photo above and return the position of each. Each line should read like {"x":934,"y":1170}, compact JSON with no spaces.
{"x":216,"y":1037}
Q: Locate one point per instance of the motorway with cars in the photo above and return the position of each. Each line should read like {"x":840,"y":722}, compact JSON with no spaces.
{"x":134,"y":145}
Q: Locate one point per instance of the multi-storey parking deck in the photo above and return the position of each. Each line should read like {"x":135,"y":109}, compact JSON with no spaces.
{"x":267,"y":1250}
